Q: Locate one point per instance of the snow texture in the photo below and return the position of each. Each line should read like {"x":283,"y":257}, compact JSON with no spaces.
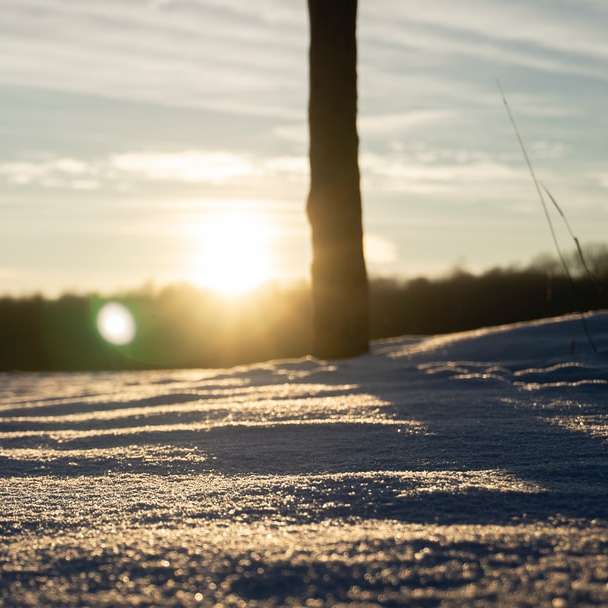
{"x":463,"y":470}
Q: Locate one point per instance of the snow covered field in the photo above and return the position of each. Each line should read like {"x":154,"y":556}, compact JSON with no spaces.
{"x":463,"y":470}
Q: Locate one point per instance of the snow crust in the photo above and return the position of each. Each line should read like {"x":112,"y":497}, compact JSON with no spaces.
{"x":469,"y":469}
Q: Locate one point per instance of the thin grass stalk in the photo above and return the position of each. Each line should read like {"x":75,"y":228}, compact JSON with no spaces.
{"x":545,"y":210}
{"x":579,"y":249}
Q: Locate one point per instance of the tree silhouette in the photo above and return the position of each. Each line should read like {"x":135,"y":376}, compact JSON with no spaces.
{"x":339,"y":277}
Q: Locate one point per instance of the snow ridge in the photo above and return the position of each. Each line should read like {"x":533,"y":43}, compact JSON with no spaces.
{"x":468,"y":469}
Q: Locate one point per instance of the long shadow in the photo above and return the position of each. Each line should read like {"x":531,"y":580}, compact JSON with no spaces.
{"x":450,"y":467}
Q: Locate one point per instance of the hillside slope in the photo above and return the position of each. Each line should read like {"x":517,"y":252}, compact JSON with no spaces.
{"x":469,"y":469}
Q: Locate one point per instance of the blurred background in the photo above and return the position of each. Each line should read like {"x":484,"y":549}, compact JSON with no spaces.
{"x":154,"y":160}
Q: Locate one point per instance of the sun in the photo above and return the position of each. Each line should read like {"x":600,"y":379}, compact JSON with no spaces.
{"x":235,"y":252}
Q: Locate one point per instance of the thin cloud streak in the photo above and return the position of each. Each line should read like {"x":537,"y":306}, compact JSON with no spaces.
{"x":115,"y":110}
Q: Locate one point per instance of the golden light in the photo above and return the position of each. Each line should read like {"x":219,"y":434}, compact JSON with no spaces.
{"x":116,"y":324}
{"x":236,"y":252}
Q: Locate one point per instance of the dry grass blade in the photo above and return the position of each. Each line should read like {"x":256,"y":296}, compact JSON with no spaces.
{"x":577,"y":243}
{"x":545,"y":209}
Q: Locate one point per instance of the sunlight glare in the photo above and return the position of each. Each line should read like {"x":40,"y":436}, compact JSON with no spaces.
{"x":116,"y":324}
{"x":236,"y":253}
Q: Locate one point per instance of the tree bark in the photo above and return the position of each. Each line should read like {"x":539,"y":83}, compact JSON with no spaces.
{"x":339,"y":276}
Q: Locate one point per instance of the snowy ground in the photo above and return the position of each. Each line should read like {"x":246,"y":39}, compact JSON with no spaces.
{"x":465,"y":470}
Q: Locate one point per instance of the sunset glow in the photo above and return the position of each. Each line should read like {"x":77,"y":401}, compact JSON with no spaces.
{"x":124,"y":146}
{"x":236,"y":253}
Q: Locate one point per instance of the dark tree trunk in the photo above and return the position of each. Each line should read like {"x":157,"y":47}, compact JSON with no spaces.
{"x":339,"y":277}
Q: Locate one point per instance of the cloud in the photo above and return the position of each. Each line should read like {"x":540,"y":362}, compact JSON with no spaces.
{"x":188,"y":166}
{"x":601,"y":179}
{"x":250,"y":59}
{"x":445,"y":172}
{"x":187,"y":53}
{"x":372,"y":124}
{"x":457,"y":177}
{"x":548,"y":150}
{"x":485,"y":170}
{"x":384,"y":124}
{"x":161,"y":105}
{"x":287,"y":165}
{"x":180,"y":167}
{"x":296,"y":133}
{"x":53,"y":173}
{"x":561,"y":36}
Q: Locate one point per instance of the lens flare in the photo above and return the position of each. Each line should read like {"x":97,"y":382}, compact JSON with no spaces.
{"x":116,"y":324}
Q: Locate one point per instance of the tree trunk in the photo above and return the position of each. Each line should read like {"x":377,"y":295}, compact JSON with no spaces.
{"x":339,"y":277}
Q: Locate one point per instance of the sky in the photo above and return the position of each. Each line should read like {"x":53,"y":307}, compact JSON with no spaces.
{"x":135,"y":135}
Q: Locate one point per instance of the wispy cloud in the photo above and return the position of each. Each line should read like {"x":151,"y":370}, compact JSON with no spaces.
{"x":454,"y":182}
{"x":180,"y":167}
{"x":55,"y":173}
{"x":251,"y":58}
{"x":545,"y":36}
{"x":166,"y":103}
{"x":187,"y":166}
{"x":374,"y":125}
{"x":454,"y":174}
{"x":385,"y":124}
{"x":601,"y":179}
{"x":195,"y":54}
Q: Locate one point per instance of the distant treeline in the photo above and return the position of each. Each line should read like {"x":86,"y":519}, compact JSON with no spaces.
{"x":181,"y":326}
